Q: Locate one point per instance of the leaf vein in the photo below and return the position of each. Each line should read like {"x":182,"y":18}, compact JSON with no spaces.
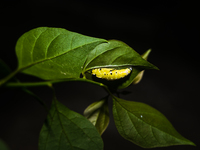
{"x":43,"y":60}
{"x":128,"y":113}
{"x":47,"y":49}
{"x":62,"y":125}
{"x":76,"y":126}
{"x":150,"y":125}
{"x":33,"y":47}
{"x":52,"y":119}
{"x":154,"y":135}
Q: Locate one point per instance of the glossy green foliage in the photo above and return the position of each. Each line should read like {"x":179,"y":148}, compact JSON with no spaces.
{"x":138,"y":78}
{"x":98,"y":114}
{"x":58,"y":55}
{"x":66,"y":129}
{"x":144,"y":125}
{"x":116,"y":54}
{"x":54,"y":53}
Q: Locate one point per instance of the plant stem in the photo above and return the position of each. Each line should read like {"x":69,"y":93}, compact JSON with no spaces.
{"x":47,"y":83}
{"x":10,"y":76}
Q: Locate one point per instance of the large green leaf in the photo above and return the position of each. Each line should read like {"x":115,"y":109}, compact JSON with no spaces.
{"x":144,"y":125}
{"x":116,"y":54}
{"x":65,"y":129}
{"x":54,"y":53}
{"x":98,"y":114}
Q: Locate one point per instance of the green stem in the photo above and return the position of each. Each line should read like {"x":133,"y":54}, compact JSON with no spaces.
{"x":10,"y":76}
{"x":47,"y":83}
{"x":27,"y":84}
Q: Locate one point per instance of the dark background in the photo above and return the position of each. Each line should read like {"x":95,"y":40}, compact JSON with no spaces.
{"x":170,"y":28}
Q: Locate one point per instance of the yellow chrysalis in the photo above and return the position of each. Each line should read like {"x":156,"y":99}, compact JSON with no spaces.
{"x":111,"y":73}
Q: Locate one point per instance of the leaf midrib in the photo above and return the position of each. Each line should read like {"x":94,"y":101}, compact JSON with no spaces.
{"x":74,"y":124}
{"x":46,"y":59}
{"x":107,"y":65}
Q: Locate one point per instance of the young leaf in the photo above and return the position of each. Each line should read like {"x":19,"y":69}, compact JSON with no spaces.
{"x":66,"y":129}
{"x":54,"y":53}
{"x":144,"y":125}
{"x":138,"y":78}
{"x":98,"y":114}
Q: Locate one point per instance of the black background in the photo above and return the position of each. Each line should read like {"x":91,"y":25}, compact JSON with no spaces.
{"x":170,"y":28}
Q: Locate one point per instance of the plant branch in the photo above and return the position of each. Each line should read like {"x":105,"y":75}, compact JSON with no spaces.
{"x":47,"y":83}
{"x":10,"y":76}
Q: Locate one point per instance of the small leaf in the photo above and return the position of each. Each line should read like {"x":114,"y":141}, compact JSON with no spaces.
{"x":144,"y":125}
{"x":145,"y":55}
{"x":98,"y":114}
{"x":54,"y":53}
{"x":138,"y":78}
{"x":66,"y":129}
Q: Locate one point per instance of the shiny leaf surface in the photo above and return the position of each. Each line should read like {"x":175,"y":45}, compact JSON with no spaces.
{"x":66,"y":129}
{"x":144,"y":125}
{"x":53,"y":53}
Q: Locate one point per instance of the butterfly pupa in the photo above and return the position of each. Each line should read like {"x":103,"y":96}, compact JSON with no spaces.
{"x":111,"y":73}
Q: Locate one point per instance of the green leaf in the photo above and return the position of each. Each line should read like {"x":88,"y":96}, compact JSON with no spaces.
{"x":116,"y":54}
{"x":98,"y":114}
{"x":138,"y":78}
{"x":66,"y":129}
{"x":54,"y":53}
{"x":144,"y":125}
